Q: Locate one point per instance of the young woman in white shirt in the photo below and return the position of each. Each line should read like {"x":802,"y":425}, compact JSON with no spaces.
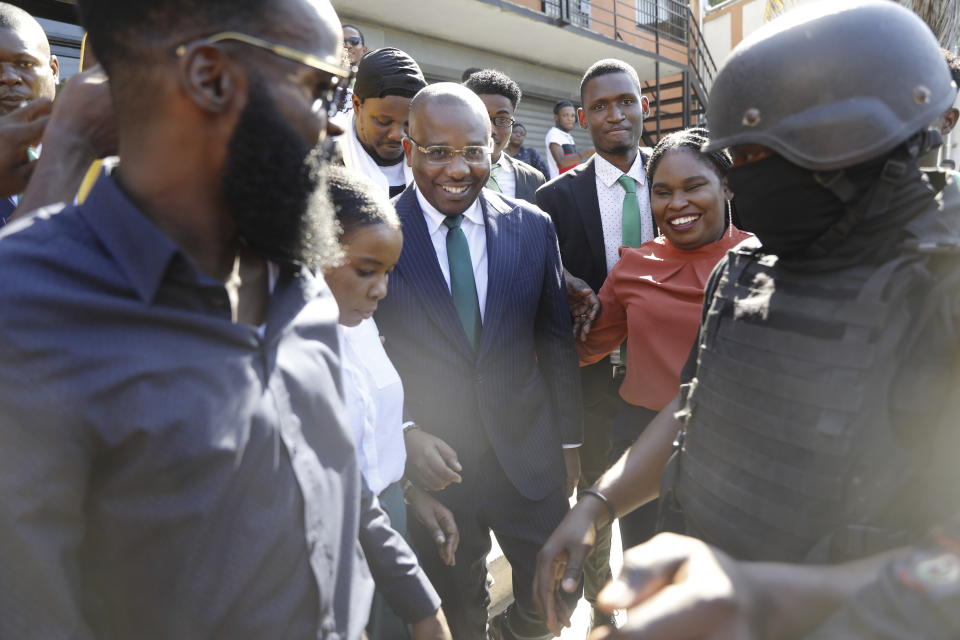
{"x":371,"y":240}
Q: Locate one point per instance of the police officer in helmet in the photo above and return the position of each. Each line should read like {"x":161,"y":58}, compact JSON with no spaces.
{"x":815,"y":423}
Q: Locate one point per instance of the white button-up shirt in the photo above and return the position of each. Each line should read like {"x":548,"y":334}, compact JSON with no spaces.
{"x":506,"y":179}
{"x":475,"y":231}
{"x":610,"y":198}
{"x":373,"y":394}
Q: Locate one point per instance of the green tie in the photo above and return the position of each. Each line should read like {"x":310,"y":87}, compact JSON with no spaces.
{"x":463,"y":287}
{"x":630,"y":228}
{"x":492,"y":181}
{"x":630,"y":221}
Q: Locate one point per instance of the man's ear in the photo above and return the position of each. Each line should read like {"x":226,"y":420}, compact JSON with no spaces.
{"x":582,"y":117}
{"x":357,"y":103}
{"x":209,"y":77}
{"x":407,"y":150}
{"x":55,"y":68}
{"x":645,"y":105}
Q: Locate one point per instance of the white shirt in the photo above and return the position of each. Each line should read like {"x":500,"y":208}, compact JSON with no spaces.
{"x":475,"y":231}
{"x":394,"y":173}
{"x":356,"y":158}
{"x":610,"y":198}
{"x":506,"y":179}
{"x":561,"y":137}
{"x":373,"y":394}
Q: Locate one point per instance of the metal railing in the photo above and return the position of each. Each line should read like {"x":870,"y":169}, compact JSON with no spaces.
{"x":666,"y":28}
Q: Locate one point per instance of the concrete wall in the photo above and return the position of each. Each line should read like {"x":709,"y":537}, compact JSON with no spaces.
{"x":727,"y":24}
{"x":445,"y":61}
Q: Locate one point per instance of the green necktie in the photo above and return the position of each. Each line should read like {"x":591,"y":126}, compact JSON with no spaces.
{"x":463,"y":287}
{"x":630,"y":222}
{"x":630,"y":235}
{"x":492,"y":180}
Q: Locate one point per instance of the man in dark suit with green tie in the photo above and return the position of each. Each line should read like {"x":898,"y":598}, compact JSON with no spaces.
{"x":477,"y":325}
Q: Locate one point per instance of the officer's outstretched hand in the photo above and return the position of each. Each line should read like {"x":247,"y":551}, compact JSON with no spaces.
{"x":560,"y":562}
{"x":679,"y":587}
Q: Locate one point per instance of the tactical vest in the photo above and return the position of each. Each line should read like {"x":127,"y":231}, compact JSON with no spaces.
{"x":809,"y":426}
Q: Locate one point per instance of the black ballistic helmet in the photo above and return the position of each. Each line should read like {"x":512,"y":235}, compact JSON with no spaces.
{"x":831,"y":84}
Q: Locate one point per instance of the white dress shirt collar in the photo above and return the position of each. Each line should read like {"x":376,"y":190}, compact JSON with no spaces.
{"x":434,"y":218}
{"x":609,"y":174}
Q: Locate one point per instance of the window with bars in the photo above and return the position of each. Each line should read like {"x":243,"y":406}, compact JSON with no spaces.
{"x":668,"y":17}
{"x":576,"y":12}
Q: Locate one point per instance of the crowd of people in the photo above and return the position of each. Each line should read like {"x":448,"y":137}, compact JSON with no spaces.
{"x":311,"y":329}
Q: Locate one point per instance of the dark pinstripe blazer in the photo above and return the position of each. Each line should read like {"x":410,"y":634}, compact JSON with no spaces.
{"x":520,"y":390}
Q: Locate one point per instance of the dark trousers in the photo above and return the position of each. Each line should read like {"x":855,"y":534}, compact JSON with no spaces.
{"x":601,"y":405}
{"x":384,"y":623}
{"x":487,"y":501}
{"x":639,"y":525}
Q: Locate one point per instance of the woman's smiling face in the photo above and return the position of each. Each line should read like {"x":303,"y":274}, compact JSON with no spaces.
{"x":688,"y":199}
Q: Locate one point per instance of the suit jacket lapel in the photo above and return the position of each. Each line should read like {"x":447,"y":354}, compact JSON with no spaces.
{"x":502,"y":226}
{"x":585,"y":193}
{"x":419,"y":266}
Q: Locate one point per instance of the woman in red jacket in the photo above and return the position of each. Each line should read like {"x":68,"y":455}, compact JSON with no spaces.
{"x":653,"y":297}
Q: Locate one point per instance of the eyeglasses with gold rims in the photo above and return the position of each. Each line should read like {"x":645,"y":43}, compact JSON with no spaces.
{"x":440,"y":155}
{"x":333,"y":97}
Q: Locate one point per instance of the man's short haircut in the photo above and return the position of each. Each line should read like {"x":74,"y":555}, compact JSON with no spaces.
{"x":561,"y":104}
{"x":358,"y":202}
{"x":451,"y":94}
{"x":492,"y":82}
{"x":606,"y":67}
{"x":468,"y":72}
{"x":363,"y":41}
{"x":124,"y":31}
{"x":15,"y":18}
{"x":953,"y":62}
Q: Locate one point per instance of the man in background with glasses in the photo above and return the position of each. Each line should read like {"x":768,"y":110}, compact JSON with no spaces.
{"x":175,"y":459}
{"x":501,"y":95}
{"x":478,"y":327}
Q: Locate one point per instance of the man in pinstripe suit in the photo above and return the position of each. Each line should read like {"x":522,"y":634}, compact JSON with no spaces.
{"x":478,"y":326}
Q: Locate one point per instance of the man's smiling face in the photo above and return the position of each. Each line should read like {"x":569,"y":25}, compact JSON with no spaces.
{"x":451,"y":188}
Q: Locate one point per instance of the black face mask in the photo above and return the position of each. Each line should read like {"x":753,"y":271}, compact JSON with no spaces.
{"x":782,"y":204}
{"x":274,"y":183}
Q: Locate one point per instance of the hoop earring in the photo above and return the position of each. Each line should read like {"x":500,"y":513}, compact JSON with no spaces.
{"x":729,"y":219}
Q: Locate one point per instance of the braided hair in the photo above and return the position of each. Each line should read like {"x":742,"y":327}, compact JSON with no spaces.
{"x":693,"y":140}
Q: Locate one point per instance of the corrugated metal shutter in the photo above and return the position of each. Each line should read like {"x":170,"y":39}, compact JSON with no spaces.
{"x":537,"y":114}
